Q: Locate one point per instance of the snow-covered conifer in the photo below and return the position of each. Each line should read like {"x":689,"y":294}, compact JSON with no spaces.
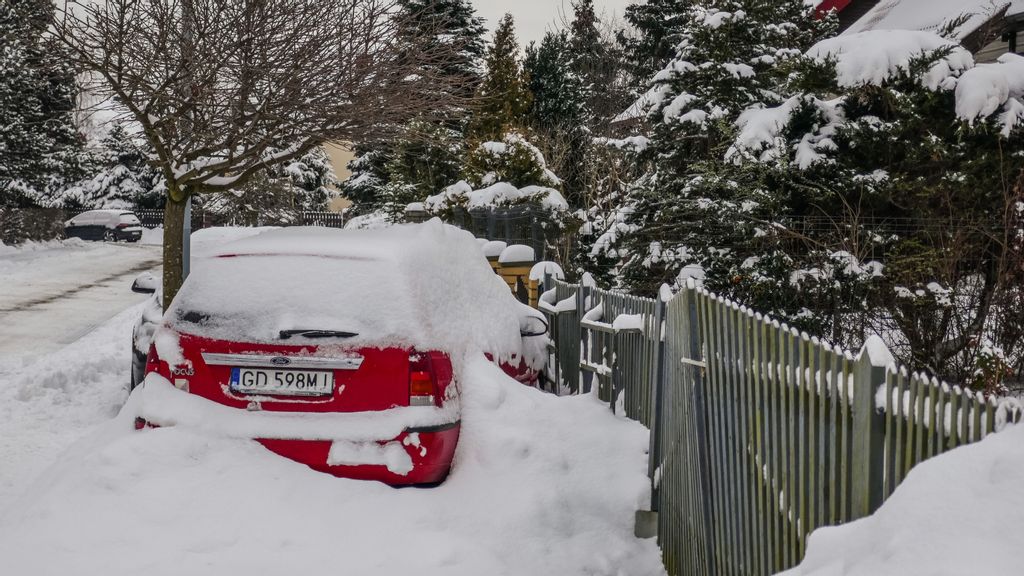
{"x":696,"y":209}
{"x":503,"y":96}
{"x":122,"y":176}
{"x":513,"y":159}
{"x":436,"y":25}
{"x":41,"y":151}
{"x":655,"y":26}
{"x":914,"y":163}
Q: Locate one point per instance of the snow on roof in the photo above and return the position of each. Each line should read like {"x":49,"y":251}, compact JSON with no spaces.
{"x":983,"y":90}
{"x":932,"y":15}
{"x":417,"y":285}
{"x":639,"y":108}
{"x":517,"y":253}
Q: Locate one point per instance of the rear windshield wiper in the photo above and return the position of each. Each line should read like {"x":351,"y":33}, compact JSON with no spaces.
{"x":286,"y":334}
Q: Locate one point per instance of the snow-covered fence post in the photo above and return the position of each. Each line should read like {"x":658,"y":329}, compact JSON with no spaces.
{"x":416,"y":212}
{"x":582,"y":302}
{"x":492,"y":251}
{"x":867,"y":454}
{"x":514,"y":265}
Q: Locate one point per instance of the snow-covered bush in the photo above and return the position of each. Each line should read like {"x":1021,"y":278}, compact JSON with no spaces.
{"x":500,"y":195}
{"x":279,"y":195}
{"x":123,"y":176}
{"x":513,"y":159}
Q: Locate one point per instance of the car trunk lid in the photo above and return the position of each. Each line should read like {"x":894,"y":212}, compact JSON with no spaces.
{"x":321,"y":377}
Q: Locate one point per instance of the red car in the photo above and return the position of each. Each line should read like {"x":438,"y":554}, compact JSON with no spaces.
{"x":336,"y":348}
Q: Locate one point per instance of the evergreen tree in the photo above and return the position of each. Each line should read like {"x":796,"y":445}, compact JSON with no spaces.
{"x":559,"y":115}
{"x":503,"y":97}
{"x":447,"y":24}
{"x":427,"y":159}
{"x":311,"y":180}
{"x":277,"y":196}
{"x":696,"y":210}
{"x":600,"y":63}
{"x":451,"y":24}
{"x":656,"y":31}
{"x":368,"y":178}
{"x":40,"y":148}
{"x":123,"y":177}
{"x":559,"y":99}
{"x":513,"y":159}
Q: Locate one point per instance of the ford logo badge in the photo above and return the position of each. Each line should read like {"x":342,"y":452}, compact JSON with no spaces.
{"x":280,"y":361}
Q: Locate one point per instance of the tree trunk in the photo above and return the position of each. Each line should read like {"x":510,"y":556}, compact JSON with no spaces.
{"x":174,"y":222}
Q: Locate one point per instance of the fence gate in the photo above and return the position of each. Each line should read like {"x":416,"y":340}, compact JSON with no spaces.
{"x":682,"y":494}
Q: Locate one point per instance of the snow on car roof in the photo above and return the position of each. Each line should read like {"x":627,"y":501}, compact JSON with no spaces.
{"x":108,"y":211}
{"x":419,"y":285}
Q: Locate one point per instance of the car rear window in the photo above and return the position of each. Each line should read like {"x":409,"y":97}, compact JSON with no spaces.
{"x":254,"y":298}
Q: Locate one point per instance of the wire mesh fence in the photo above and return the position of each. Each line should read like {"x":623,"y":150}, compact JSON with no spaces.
{"x":537,"y":228}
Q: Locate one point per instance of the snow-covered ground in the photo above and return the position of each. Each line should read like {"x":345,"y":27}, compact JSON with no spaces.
{"x":540,"y":485}
{"x":47,"y":402}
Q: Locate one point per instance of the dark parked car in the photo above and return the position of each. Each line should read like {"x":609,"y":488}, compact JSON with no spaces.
{"x":105,"y":225}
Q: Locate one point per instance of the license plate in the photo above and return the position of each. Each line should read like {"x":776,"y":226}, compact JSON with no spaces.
{"x":282,"y":382}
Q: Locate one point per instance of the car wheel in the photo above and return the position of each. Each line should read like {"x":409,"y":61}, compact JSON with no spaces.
{"x":108,"y":236}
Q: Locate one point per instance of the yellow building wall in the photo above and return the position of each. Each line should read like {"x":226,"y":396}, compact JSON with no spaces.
{"x":340,"y":155}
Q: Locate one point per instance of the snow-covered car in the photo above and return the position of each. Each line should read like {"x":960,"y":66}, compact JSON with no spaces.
{"x":106,"y":225}
{"x":341,"y":350}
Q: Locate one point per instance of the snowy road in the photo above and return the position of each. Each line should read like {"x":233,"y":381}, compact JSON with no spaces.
{"x":54,"y":293}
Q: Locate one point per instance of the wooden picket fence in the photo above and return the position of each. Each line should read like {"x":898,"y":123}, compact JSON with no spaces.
{"x":760,"y":433}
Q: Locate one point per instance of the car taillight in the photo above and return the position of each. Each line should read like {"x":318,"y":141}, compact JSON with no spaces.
{"x":123,"y":225}
{"x":154,"y":364}
{"x":422,"y":389}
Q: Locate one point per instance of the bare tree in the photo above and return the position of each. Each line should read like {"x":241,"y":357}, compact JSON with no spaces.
{"x":223,"y":89}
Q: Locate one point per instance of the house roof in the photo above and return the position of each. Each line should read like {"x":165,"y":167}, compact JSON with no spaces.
{"x":638,"y":109}
{"x":932,"y":15}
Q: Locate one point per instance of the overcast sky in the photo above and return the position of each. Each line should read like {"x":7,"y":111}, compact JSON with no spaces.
{"x":534,"y":17}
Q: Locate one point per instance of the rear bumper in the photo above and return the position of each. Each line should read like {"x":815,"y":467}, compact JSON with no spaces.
{"x":428,"y":452}
{"x":128,"y":235}
{"x":400,"y":446}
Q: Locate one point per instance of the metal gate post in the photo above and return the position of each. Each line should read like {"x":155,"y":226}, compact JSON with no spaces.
{"x":700,"y":425}
{"x":586,"y":377}
{"x":867,"y":466}
{"x":657,"y":395}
